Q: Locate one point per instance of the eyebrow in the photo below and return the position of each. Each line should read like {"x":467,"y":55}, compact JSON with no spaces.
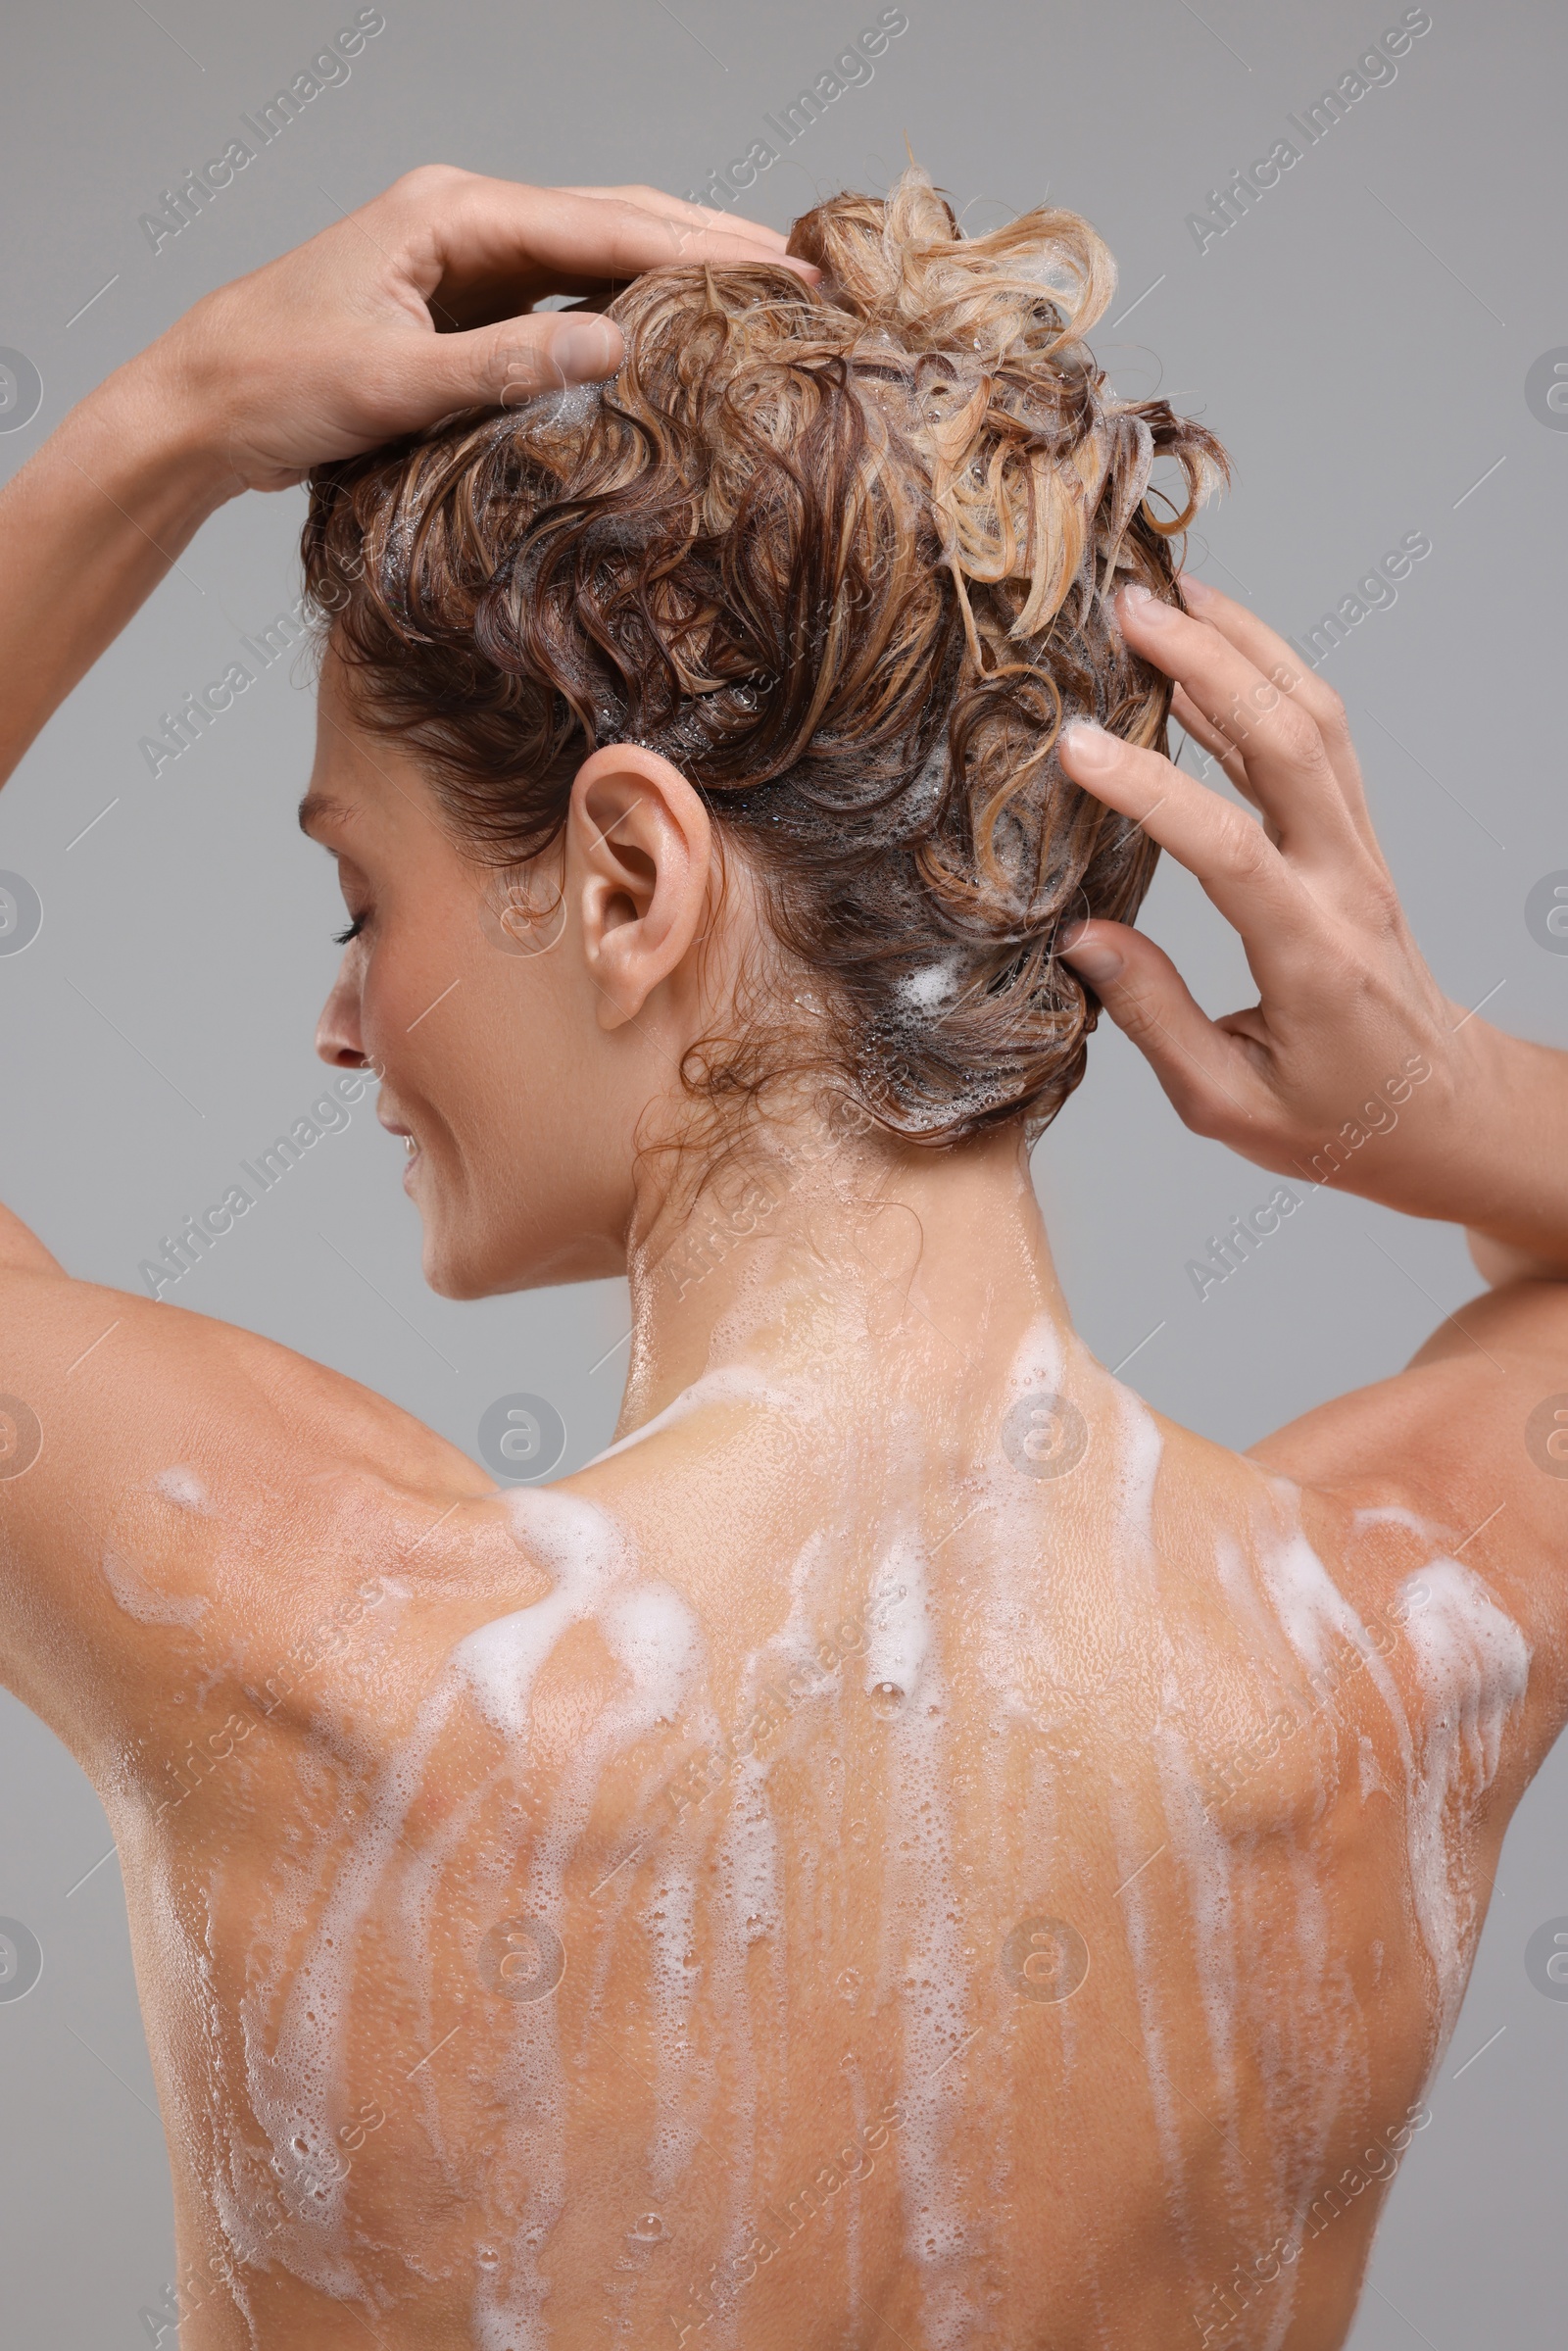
{"x":321,"y":809}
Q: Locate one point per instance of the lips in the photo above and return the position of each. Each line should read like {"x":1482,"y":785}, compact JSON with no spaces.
{"x":411,"y":1147}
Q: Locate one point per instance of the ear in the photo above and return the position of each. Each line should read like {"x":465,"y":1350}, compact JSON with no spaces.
{"x":639,"y":849}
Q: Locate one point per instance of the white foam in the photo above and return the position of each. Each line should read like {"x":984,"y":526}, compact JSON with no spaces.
{"x":923,"y":1944}
{"x":730,"y":1384}
{"x":932,"y":986}
{"x":654,"y":1635}
{"x":494,"y":1667}
{"x":500,"y":1662}
{"x":1134,"y":1476}
{"x":1137,"y":1471}
{"x":144,"y":1601}
{"x":656,"y":1639}
{"x":1202,"y":1855}
{"x":899,"y":1637}
{"x":1474,"y":1666}
{"x":1038,"y":1360}
{"x":184,"y":1488}
{"x":1312,"y":1611}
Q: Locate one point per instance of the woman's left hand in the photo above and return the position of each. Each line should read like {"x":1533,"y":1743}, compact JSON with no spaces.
{"x":1350,"y":1025}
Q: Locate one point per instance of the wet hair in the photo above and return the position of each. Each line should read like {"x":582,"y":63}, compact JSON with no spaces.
{"x":845,"y":553}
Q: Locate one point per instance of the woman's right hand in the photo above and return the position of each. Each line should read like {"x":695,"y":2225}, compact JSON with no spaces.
{"x":415,"y":306}
{"x":418,"y":305}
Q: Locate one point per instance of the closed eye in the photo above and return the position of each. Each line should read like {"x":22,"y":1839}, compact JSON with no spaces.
{"x":342,"y":938}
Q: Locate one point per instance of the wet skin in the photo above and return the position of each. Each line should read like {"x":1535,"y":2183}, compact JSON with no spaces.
{"x":908,"y":1844}
{"x":778,"y":1725}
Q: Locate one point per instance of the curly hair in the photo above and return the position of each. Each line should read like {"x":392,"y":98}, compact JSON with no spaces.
{"x":846,"y":555}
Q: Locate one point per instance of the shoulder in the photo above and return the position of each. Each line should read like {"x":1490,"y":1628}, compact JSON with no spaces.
{"x":1438,"y":1493}
{"x":173,"y":1483}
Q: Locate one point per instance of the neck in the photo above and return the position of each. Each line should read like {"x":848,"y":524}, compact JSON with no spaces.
{"x":852,"y":1262}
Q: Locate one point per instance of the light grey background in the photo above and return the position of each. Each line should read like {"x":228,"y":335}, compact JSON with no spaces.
{"x":1360,"y":340}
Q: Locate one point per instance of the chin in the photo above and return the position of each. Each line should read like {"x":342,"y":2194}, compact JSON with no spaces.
{"x":465,"y":1267}
{"x":454,"y":1266}
{"x":448,"y":1277}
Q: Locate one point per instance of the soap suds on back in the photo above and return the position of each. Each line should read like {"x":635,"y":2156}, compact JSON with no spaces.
{"x":143,"y":1600}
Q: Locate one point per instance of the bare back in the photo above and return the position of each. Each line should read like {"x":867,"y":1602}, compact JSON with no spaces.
{"x":856,"y":1863}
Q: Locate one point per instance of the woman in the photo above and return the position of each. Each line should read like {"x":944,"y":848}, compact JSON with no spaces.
{"x":908,"y":1845}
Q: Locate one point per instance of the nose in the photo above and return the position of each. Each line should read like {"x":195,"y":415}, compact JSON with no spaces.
{"x":338,"y":1040}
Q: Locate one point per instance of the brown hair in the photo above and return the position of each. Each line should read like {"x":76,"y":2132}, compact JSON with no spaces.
{"x":845,"y":553}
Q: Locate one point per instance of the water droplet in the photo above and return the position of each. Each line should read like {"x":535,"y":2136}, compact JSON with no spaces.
{"x":648,"y":2229}
{"x":885,"y":1696}
{"x":488,"y":2258}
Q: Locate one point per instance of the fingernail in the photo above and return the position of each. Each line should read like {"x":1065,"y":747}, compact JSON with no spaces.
{"x":1094,"y":961}
{"x":1195,"y":590}
{"x":1137,"y":598}
{"x":1090,"y":745}
{"x":588,"y":349}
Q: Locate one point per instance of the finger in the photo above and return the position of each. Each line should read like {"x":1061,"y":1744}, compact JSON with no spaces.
{"x":1205,"y":1070}
{"x":1276,"y":660}
{"x":1226,"y":757}
{"x":499,"y":367}
{"x":1240,"y":868}
{"x":469,"y":232}
{"x":701,"y":215}
{"x":1287,"y":761}
{"x":1191,"y":719}
{"x":695,"y":232}
{"x":1263,"y":645}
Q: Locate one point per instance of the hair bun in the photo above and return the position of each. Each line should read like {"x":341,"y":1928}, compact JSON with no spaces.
{"x":1023,"y":436}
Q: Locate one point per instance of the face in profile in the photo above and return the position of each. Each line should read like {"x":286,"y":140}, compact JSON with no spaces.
{"x":528,"y":1022}
{"x":472,"y":1016}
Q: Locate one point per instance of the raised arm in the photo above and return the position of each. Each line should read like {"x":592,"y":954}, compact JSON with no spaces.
{"x":415,"y":306}
{"x":1354,"y":1070}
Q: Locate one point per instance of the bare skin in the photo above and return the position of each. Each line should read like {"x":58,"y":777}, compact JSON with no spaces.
{"x":909,"y":1845}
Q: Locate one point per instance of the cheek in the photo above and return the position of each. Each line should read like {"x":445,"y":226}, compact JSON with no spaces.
{"x":485,"y":1043}
{"x":416,"y":979}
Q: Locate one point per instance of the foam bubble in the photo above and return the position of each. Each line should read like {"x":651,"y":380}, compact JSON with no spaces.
{"x":144,"y":1601}
{"x":184,"y":1488}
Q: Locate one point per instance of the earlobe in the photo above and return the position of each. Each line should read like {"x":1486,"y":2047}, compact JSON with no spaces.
{"x":641,"y":840}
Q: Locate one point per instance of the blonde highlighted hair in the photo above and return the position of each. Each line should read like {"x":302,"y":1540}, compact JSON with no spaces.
{"x":845,"y":553}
